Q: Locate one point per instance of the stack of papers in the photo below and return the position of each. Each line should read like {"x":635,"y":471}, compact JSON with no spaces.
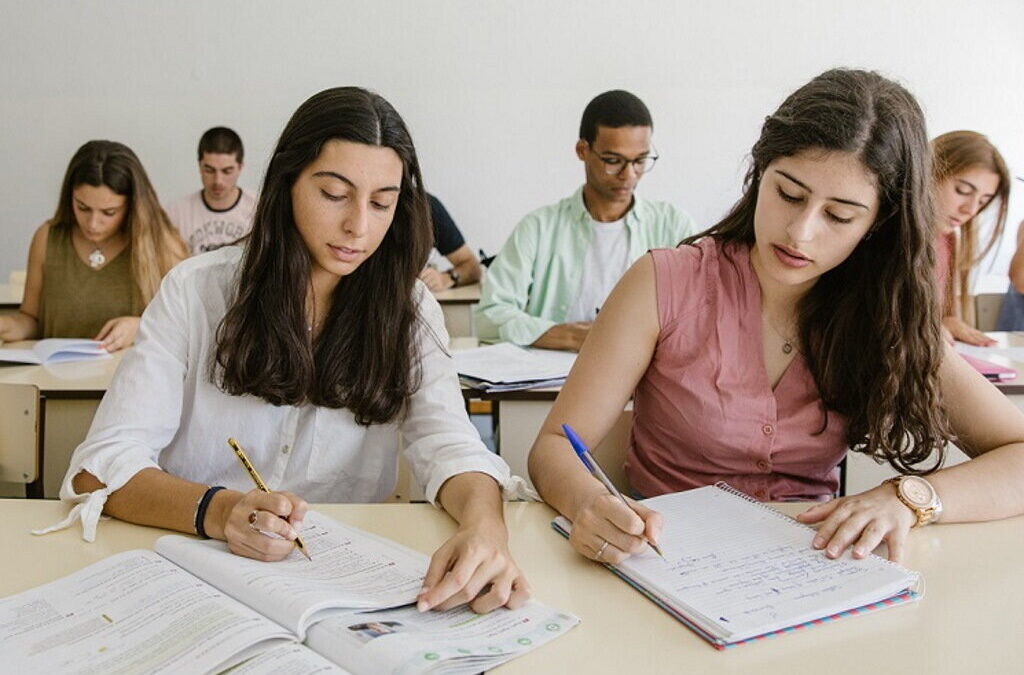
{"x":507,"y":367}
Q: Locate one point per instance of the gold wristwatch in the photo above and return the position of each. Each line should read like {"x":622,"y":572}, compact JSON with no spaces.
{"x":918,"y":495}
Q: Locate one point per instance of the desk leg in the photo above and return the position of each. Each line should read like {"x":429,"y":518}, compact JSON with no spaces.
{"x":520,"y":421}
{"x":67,"y":424}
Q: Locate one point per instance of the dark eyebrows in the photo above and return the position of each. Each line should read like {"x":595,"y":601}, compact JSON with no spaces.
{"x":832,"y":199}
{"x":338,"y":176}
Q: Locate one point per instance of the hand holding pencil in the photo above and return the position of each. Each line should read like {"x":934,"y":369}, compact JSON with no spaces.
{"x":268,"y":512}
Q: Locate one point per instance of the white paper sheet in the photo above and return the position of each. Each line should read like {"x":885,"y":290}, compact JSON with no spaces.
{"x":131,"y":613}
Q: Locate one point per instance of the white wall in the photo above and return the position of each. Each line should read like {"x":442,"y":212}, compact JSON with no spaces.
{"x":493,"y":91}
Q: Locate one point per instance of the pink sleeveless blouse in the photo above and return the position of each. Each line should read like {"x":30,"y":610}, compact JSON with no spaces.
{"x":704,"y":410}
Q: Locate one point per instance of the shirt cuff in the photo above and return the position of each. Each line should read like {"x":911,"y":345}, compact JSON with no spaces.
{"x":526,"y":330}
{"x":513,"y":488}
{"x":88,"y":506}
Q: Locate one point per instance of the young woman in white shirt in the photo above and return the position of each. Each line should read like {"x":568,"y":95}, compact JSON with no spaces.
{"x":314,"y":346}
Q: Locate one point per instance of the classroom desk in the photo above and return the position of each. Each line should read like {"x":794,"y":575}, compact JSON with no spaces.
{"x":457,"y":305}
{"x":968,"y":621}
{"x":69,"y":396}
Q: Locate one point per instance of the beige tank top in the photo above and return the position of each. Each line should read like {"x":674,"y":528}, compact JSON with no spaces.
{"x":77,"y":299}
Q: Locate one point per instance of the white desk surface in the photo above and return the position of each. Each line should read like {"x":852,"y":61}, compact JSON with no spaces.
{"x":80,"y":379}
{"x":459,"y":295}
{"x":969,"y":620}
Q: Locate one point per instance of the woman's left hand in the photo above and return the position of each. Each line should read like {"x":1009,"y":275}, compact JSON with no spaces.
{"x":862,"y":521}
{"x":118,"y":333}
{"x":474,"y":566}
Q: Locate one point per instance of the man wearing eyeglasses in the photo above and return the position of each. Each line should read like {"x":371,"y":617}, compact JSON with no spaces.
{"x":548,"y":282}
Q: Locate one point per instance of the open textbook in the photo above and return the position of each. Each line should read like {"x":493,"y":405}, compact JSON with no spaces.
{"x":736,"y":570}
{"x":193,"y":607}
{"x":56,"y":350}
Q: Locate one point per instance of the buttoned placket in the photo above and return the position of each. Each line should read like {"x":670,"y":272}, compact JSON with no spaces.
{"x":286,"y":445}
{"x":763,"y":464}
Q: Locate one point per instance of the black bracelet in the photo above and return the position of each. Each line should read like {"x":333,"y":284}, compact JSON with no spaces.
{"x":204,"y":503}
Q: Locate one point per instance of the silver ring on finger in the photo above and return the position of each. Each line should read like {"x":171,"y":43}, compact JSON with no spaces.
{"x":253,"y":515}
{"x":600,"y":551}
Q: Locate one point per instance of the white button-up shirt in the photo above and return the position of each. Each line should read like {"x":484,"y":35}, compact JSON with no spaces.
{"x":163,"y":411}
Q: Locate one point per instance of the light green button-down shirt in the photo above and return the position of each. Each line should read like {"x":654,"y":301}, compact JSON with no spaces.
{"x":535,"y":278}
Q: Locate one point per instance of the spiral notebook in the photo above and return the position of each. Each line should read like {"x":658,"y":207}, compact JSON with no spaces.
{"x":737,"y":571}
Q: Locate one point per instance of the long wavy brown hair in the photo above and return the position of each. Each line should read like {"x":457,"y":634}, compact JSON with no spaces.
{"x":869,"y":328}
{"x":953,"y":153}
{"x":365,"y":357}
{"x":155,"y":244}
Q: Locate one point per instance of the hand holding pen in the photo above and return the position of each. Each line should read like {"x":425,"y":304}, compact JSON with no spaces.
{"x":269,"y":520}
{"x":613,"y":541}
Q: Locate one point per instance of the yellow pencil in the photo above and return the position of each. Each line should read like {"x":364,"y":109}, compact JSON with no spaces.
{"x":255,"y":475}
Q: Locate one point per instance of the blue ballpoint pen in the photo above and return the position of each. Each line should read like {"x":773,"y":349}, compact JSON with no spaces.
{"x":594,"y":468}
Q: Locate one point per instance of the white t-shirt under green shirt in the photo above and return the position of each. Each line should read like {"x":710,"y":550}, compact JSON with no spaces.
{"x":606,"y":260}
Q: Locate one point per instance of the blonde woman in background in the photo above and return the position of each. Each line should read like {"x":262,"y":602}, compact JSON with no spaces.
{"x":97,"y":263}
{"x":970,"y":175}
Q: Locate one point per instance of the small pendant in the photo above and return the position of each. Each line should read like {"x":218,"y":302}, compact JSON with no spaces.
{"x":97,"y":259}
{"x":787,"y":347}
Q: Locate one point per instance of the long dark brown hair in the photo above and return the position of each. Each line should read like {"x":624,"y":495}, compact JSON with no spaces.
{"x":365,"y":357}
{"x":869,"y":328}
{"x":155,"y":244}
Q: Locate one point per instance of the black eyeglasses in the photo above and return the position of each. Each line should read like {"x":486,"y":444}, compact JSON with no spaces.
{"x":614,"y":165}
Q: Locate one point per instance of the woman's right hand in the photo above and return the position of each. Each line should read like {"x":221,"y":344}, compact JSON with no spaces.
{"x":277,"y":513}
{"x":602,"y":519}
{"x":965,"y":333}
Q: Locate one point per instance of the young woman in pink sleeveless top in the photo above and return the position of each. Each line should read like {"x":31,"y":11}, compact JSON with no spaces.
{"x":802,"y":325}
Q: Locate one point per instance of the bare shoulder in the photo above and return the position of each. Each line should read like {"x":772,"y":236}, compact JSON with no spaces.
{"x":639,"y":279}
{"x":635,"y":295}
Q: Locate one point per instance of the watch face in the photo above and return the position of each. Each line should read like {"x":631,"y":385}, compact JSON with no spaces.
{"x":917,"y":491}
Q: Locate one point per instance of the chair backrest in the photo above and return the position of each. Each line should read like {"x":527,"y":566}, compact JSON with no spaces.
{"x":19,"y":433}
{"x":986,"y":310}
{"x":611,"y":452}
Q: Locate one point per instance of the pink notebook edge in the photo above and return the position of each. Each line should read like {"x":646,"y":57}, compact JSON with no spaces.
{"x":989,"y":369}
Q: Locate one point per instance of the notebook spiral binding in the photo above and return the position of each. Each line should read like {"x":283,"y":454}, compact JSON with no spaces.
{"x":725,"y":487}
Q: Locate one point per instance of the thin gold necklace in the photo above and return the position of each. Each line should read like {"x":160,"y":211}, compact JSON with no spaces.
{"x":787,"y":342}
